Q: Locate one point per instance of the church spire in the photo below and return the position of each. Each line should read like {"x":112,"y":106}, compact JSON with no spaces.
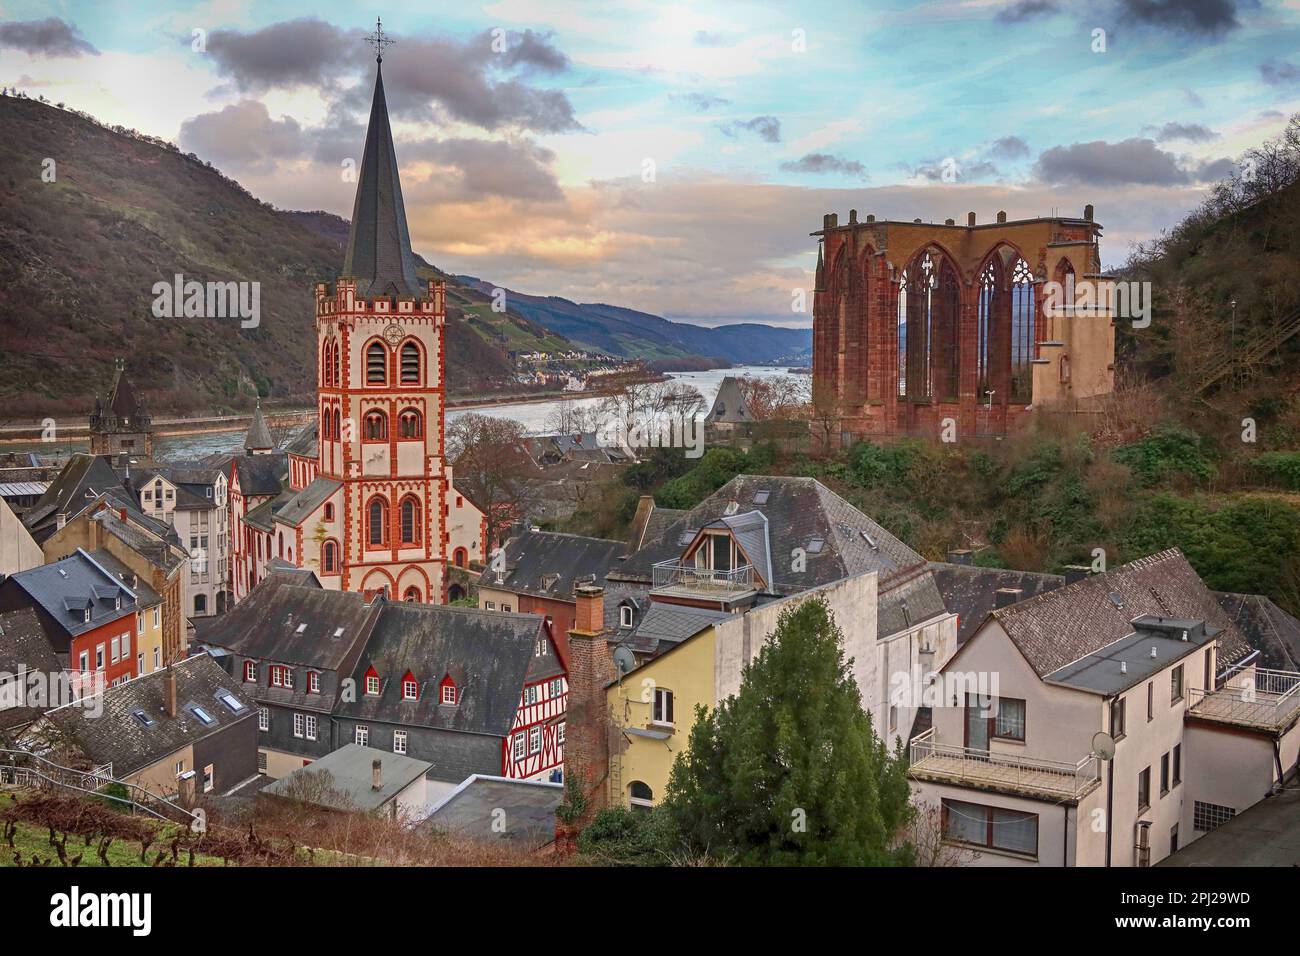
{"x":379,"y":246}
{"x":259,"y":439}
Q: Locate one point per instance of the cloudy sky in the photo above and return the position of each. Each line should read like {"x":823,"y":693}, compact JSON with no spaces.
{"x":674,"y":158}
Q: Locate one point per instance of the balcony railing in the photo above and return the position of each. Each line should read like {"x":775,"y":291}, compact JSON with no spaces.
{"x":676,"y":574}
{"x":971,"y":767}
{"x":1269,"y":702}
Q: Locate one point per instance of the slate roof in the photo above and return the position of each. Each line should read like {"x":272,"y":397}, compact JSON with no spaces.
{"x":550,"y":564}
{"x":304,"y":443}
{"x":907,"y":604}
{"x":379,"y":246}
{"x":666,"y":625}
{"x":971,"y":592}
{"x":490,"y":655}
{"x":121,"y":397}
{"x":259,"y":475}
{"x":156,"y":542}
{"x":838,"y":539}
{"x":351,"y":777}
{"x":23,"y":647}
{"x":302,"y":505}
{"x":1065,"y":624}
{"x":1269,"y":629}
{"x":65,"y":589}
{"x":472,"y":808}
{"x":83,"y":479}
{"x":283,"y":621}
{"x":121,"y":738}
{"x":145,"y":596}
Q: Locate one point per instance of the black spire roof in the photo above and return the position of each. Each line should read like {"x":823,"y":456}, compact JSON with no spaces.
{"x":379,"y":247}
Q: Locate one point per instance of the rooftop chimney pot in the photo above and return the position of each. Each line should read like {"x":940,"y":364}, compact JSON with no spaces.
{"x":376,"y":775}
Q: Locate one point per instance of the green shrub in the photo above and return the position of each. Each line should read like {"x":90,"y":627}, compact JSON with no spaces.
{"x":1171,"y":452}
{"x":1279,"y":468}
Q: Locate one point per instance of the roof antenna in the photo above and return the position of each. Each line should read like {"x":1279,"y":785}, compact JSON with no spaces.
{"x":379,"y":40}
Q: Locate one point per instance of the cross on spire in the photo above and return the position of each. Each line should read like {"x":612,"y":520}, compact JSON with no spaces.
{"x":379,"y":40}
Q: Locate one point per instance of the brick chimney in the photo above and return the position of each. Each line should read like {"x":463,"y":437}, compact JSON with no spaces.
{"x":169,"y":691}
{"x":376,"y":775}
{"x":587,"y":723}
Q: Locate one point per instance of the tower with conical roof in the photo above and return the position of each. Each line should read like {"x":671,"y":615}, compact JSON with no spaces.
{"x":258,"y":441}
{"x":120,"y":423}
{"x":382,"y":479}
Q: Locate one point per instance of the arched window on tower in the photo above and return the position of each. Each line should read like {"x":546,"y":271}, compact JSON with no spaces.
{"x":410,"y":424}
{"x":377,"y":523}
{"x":410,"y":521}
{"x":330,"y":557}
{"x":376,"y":426}
{"x":376,"y":364}
{"x":338,"y":372}
{"x":410,"y":364}
{"x":338,"y":420}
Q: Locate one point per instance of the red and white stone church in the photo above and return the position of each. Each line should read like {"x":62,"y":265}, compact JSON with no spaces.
{"x":374,"y":509}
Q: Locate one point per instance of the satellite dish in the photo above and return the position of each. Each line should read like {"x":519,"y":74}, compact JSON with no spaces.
{"x":1103,"y":745}
{"x":624,"y":659}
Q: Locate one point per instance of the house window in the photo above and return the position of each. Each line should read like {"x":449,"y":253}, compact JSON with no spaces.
{"x":313,"y":682}
{"x":362,"y":735}
{"x":520,"y":747}
{"x":115,"y":650}
{"x":1009,"y":724}
{"x":99,"y":656}
{"x":1117,"y":718}
{"x":559,"y":734}
{"x":180,"y":767}
{"x":250,"y":671}
{"x":263,"y":718}
{"x":994,"y":827}
{"x":1209,"y":816}
{"x":534,"y":740}
{"x":1144,"y":790}
{"x":311,"y":726}
{"x":530,"y":695}
{"x":1176,"y":684}
{"x":156,"y":612}
{"x":1178,"y":764}
{"x":399,"y":741}
{"x":1164,"y":774}
{"x":410,"y":364}
{"x":1151,"y":702}
{"x":209,"y":780}
{"x":625,"y":616}
{"x":376,"y":364}
{"x":157,"y":658}
{"x":663,"y":707}
{"x":489,"y":606}
{"x":410,"y":690}
{"x":449,"y":693}
{"x":299,"y":723}
{"x":640,"y":796}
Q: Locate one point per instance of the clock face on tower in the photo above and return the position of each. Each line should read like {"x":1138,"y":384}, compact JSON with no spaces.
{"x":394,"y":334}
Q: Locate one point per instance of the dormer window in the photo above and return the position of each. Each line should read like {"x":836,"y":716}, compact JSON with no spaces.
{"x":85,"y":616}
{"x":410,"y":687}
{"x":372,"y":683}
{"x":447,"y":691}
{"x":313,"y":682}
{"x":250,"y":671}
{"x":625,"y":616}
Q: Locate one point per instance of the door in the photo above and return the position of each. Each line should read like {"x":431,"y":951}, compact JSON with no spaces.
{"x":977,"y":722}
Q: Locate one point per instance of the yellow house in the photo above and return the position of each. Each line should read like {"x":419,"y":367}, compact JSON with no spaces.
{"x":653,"y":706}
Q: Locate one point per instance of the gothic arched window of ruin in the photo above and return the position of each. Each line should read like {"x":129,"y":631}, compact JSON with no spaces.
{"x":1024,"y":316}
{"x":929,"y":311}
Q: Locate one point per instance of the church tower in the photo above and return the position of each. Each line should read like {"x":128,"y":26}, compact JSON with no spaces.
{"x":379,"y":335}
